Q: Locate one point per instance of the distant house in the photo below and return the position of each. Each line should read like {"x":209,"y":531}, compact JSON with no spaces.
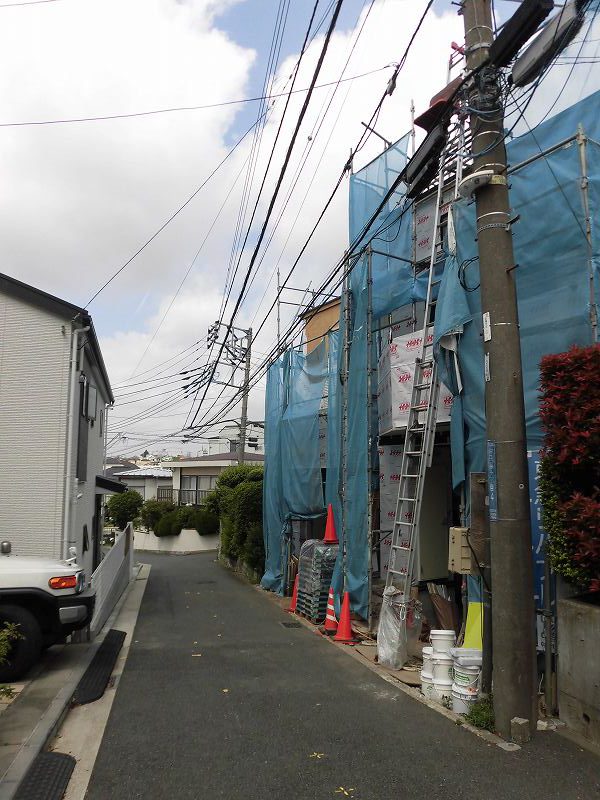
{"x":193,"y":478}
{"x":54,"y":391}
{"x":113,"y":465}
{"x":148,"y":481}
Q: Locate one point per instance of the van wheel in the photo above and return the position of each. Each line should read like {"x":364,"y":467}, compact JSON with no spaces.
{"x":24,"y":652}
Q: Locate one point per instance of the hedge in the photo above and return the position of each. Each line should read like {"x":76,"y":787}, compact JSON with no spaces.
{"x":172,"y":522}
{"x":569,"y":470}
{"x":238,"y":496}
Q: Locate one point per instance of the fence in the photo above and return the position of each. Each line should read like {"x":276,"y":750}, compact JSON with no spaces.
{"x":182,"y":497}
{"x":112,"y":577}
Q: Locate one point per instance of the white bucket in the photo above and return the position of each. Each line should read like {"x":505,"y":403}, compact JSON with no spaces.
{"x":441,"y":691}
{"x":442,"y":667}
{"x":426,"y":685}
{"x":442,"y":641}
{"x":427,"y":656}
{"x":467,"y":677}
{"x":462,"y":700}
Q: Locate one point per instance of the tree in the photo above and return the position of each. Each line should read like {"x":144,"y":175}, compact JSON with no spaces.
{"x":124,"y":507}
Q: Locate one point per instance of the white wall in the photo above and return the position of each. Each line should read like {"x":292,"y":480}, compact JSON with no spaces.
{"x":34,"y":374}
{"x":188,"y":541}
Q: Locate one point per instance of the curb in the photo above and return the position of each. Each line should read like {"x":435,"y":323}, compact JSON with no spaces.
{"x":415,"y":694}
{"x":53,"y":717}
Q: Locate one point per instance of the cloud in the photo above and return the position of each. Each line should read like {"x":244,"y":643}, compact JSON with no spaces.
{"x":78,"y":200}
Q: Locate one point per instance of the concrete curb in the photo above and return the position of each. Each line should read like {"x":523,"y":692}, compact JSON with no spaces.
{"x":52,"y":718}
{"x":459,"y":721}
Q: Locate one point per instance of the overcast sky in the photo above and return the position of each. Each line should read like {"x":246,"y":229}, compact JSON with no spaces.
{"x":79,"y":199}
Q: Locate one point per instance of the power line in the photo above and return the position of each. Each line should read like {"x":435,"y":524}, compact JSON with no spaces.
{"x":177,"y":109}
{"x":301,"y":116}
{"x":172,"y":217}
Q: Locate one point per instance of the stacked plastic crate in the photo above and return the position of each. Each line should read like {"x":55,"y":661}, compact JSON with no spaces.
{"x":315,"y":570}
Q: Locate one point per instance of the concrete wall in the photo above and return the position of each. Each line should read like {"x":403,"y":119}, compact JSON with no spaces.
{"x":579,"y":667}
{"x":188,"y":541}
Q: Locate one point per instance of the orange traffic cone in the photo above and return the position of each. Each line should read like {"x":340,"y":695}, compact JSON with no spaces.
{"x":292,"y":608}
{"x":331,"y":624}
{"x":345,"y":634}
{"x":330,"y":534}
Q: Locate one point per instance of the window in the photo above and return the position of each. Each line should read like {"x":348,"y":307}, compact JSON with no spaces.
{"x":101,"y":422}
{"x":92,"y":402}
{"x":82,"y":438}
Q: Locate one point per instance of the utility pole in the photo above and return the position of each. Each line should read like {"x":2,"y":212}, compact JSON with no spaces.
{"x":510,"y":533}
{"x":244,"y":418}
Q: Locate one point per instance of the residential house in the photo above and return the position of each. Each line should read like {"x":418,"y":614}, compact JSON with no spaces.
{"x":54,"y":391}
{"x":193,"y":478}
{"x":113,"y":465}
{"x":148,"y":481}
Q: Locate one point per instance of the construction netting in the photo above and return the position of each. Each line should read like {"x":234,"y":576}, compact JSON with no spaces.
{"x":293,"y":486}
{"x":557,"y":271}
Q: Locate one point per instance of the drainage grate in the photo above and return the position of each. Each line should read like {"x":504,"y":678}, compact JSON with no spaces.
{"x":291,"y":624}
{"x":47,"y":778}
{"x":96,"y":677}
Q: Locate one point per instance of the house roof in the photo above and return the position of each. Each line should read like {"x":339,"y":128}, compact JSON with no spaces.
{"x":29,"y":294}
{"x":145,"y":472}
{"x":217,"y":459}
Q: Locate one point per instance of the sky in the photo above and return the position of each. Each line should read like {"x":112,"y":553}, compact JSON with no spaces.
{"x":79,"y":199}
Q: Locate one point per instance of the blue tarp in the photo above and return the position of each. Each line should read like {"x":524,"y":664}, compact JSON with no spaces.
{"x":292,"y":484}
{"x":552,"y":276}
{"x":554,"y":309}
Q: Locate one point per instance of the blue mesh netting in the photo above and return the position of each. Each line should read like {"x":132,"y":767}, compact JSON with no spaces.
{"x":292,"y":483}
{"x":554,"y":307}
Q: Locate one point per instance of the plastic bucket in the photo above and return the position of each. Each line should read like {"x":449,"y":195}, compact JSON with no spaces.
{"x":426,"y":685}
{"x":441,"y":691}
{"x":462,"y":700}
{"x":442,"y":667}
{"x":467,"y":677}
{"x":427,"y":656}
{"x":442,"y":641}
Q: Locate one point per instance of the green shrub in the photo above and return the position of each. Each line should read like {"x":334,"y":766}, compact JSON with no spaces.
{"x":167,"y":525}
{"x":8,"y":634}
{"x":211,"y":502}
{"x":238,"y":499}
{"x":152,"y":511}
{"x":481,"y":714}
{"x":206,"y":522}
{"x":125,"y":507}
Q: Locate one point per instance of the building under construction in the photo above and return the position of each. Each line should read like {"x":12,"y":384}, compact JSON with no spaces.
{"x":410,"y":321}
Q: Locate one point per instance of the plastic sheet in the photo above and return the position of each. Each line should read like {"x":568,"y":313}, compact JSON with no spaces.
{"x":392,"y":640}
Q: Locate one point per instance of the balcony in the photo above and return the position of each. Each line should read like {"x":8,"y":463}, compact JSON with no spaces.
{"x":182,"y":497}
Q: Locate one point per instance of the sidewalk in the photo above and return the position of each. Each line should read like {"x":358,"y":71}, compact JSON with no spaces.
{"x":31,"y":719}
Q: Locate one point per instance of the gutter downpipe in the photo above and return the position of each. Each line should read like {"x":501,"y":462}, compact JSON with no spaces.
{"x":70,"y":421}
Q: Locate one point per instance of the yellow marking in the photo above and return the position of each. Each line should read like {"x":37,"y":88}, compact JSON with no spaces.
{"x":345,"y":792}
{"x":196,"y":655}
{"x":316,"y":755}
{"x":225,"y":691}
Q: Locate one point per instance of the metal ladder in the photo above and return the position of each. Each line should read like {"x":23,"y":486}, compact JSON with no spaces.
{"x":417,"y":452}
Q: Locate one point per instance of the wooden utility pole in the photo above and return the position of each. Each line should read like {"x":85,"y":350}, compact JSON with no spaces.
{"x":513,"y":615}
{"x":246,"y":389}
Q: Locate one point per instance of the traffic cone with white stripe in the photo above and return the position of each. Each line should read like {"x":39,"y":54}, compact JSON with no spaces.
{"x":331,"y":624}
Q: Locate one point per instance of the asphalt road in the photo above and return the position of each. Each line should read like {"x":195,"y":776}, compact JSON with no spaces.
{"x":219,"y":700}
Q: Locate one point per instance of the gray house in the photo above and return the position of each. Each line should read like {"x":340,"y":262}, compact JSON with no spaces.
{"x":54,"y":391}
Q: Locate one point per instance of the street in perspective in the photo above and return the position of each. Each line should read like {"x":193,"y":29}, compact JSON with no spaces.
{"x":300,"y":399}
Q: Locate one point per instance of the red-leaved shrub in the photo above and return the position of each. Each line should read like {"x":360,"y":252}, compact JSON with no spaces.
{"x":570,"y":468}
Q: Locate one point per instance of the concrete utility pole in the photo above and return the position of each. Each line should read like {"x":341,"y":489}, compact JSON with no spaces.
{"x":244,"y":418}
{"x":510,"y":534}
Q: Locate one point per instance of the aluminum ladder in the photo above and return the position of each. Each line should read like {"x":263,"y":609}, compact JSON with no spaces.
{"x":417,"y":452}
